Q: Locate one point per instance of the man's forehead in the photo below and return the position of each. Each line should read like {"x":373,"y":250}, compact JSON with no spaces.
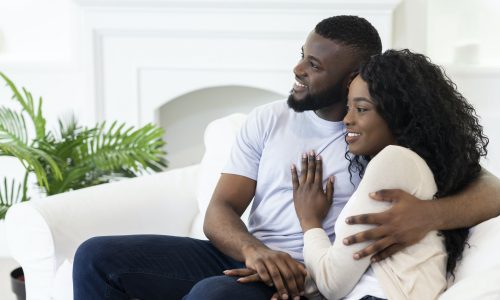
{"x":324,"y":49}
{"x":325,"y":44}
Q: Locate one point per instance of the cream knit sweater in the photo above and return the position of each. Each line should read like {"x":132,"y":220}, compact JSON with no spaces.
{"x":417,"y":272}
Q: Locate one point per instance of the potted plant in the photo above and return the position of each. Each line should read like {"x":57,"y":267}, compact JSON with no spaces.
{"x":70,"y":158}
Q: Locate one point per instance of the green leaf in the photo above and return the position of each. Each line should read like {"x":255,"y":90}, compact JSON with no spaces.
{"x":32,"y":159}
{"x":28,"y":106}
{"x":75,"y":157}
{"x":12,"y":127}
{"x":10,"y":194}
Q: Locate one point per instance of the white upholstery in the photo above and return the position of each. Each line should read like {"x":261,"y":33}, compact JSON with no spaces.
{"x":43,"y":234}
{"x":218,"y":138}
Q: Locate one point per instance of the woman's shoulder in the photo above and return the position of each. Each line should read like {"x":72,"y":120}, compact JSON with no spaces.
{"x":399,"y":158}
{"x":403,"y":168}
{"x":398,"y":153}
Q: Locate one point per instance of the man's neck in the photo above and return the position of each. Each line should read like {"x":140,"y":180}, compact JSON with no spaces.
{"x":334,"y":113}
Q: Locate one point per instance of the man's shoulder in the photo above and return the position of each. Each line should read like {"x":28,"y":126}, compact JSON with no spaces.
{"x":270,"y":114}
{"x":273,"y":108}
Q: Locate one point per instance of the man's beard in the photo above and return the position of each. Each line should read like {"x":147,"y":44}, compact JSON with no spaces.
{"x":317,"y":101}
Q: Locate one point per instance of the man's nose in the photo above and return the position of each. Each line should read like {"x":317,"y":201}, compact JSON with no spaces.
{"x":299,"y":69}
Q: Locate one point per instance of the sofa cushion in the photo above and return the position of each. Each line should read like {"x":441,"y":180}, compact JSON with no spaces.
{"x":478,"y":273}
{"x":219,"y":137}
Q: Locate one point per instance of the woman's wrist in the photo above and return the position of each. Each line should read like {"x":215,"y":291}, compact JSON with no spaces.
{"x":307,"y":224}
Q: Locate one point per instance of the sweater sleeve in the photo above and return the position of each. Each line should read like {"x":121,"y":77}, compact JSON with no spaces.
{"x":332,"y":267}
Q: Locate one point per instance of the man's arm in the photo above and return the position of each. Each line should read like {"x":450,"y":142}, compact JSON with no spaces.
{"x":410,"y":219}
{"x":229,"y":234}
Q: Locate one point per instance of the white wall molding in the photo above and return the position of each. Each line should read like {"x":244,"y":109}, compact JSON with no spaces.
{"x":143,"y":54}
{"x":128,"y":37}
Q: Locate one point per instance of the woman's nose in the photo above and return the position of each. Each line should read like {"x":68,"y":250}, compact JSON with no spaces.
{"x":348,"y":118}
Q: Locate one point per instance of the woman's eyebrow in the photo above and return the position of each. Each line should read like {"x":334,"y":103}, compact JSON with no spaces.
{"x":362,"y":99}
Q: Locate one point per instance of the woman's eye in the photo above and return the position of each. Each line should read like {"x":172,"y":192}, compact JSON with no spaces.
{"x":361,"y":109}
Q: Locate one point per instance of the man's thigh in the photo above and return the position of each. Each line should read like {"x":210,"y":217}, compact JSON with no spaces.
{"x":151,"y":266}
{"x":226,"y":287}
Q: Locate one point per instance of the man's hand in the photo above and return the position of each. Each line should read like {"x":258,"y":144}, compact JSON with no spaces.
{"x":404,"y":224}
{"x":247,"y":275}
{"x":311,"y":202}
{"x":273,"y":268}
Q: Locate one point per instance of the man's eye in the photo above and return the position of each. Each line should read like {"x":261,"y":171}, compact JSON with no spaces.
{"x":301,"y":54}
{"x":313,"y":65}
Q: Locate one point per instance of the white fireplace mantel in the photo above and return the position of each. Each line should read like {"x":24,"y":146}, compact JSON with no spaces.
{"x":144,"y":53}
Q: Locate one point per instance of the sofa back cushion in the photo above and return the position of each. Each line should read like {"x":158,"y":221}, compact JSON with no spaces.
{"x":478,"y":273}
{"x":219,"y":137}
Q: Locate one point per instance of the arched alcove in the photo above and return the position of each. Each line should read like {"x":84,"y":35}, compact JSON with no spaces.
{"x":185,"y":117}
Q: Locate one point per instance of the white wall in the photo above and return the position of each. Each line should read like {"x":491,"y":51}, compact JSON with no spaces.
{"x":180,"y":120}
{"x":41,"y":48}
{"x":462,"y":36}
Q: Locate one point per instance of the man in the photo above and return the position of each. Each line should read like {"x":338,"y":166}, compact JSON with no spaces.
{"x":162,"y":267}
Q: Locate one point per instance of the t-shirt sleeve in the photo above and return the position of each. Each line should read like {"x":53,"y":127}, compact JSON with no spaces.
{"x":247,"y":148}
{"x":332,"y":266}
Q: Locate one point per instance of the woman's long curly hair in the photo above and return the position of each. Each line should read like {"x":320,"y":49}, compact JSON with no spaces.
{"x":426,"y":114}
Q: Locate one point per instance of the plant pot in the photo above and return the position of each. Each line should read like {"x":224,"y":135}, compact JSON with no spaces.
{"x":17,"y":283}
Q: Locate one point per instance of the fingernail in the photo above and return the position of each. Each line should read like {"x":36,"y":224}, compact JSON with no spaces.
{"x":356,"y":256}
{"x":273,"y":298}
{"x":346,"y":242}
{"x":284,"y":296}
{"x":311,"y":153}
{"x":302,"y":293}
{"x":373,"y":259}
{"x":304,"y":155}
{"x":348,"y":220}
{"x":225,"y":271}
{"x":296,"y":298}
{"x":372,"y":194}
{"x":292,"y":167}
{"x":318,"y":157}
{"x":331,"y":179}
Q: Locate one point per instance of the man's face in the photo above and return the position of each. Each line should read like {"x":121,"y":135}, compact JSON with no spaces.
{"x":321,"y":74}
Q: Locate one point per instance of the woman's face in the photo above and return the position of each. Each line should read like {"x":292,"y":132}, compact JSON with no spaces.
{"x":367,"y":132}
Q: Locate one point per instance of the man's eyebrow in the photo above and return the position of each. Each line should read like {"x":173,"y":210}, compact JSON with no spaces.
{"x":314,"y":58}
{"x":310,"y":56}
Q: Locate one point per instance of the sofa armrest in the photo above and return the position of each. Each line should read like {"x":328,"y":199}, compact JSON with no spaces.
{"x":43,"y":233}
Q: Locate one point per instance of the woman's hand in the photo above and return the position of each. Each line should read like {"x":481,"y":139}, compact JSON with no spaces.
{"x":311,"y":201}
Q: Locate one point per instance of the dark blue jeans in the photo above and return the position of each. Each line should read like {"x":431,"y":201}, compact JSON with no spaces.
{"x":157,"y":267}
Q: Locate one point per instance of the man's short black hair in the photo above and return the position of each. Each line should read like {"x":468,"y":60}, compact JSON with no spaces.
{"x":352,"y":31}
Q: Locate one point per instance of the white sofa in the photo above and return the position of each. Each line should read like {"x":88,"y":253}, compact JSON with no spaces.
{"x":43,"y":234}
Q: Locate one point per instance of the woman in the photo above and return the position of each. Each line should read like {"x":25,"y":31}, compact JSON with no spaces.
{"x":417,"y":133}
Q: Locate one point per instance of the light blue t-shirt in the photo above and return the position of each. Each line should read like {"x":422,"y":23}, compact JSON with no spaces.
{"x":272,"y":138}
